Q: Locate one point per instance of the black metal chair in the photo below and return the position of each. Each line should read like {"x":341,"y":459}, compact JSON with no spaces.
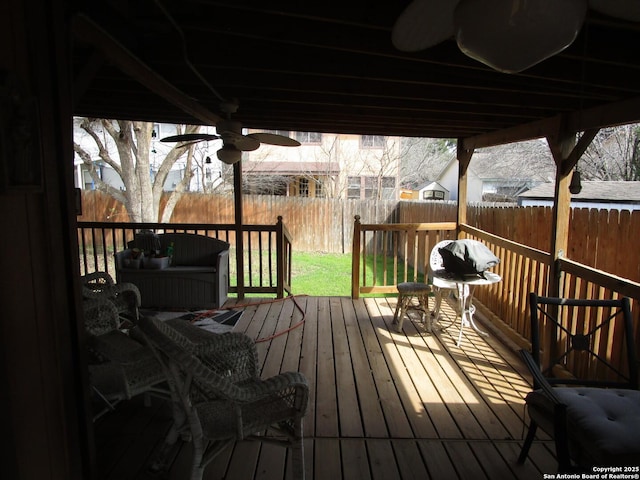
{"x":585,"y":375}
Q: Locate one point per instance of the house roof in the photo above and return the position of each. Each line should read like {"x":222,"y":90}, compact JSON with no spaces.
{"x":331,"y":67}
{"x":433,"y":186}
{"x":598,"y":191}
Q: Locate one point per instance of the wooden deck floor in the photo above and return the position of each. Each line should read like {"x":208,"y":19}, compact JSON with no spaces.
{"x":383,"y":405}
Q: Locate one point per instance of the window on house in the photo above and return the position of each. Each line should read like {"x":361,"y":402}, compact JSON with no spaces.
{"x":309,"y":137}
{"x":319,"y":188}
{"x":284,"y":133}
{"x":388,"y":188}
{"x":354,"y":187}
{"x":303,"y":187}
{"x":372,"y":141}
{"x":432,"y":195}
{"x":370,"y":187}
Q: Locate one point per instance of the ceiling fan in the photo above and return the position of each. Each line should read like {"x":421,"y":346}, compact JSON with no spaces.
{"x":507,"y":35}
{"x":234,"y":142}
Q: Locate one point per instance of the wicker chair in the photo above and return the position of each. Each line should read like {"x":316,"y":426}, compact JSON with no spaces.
{"x":119,"y":366}
{"x":222,"y":397}
{"x":125,"y":296}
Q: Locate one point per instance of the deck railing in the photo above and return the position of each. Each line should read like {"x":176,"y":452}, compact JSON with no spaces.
{"x":266,"y":256}
{"x":524,"y":269}
{"x":403,"y":250}
{"x":384,"y":255}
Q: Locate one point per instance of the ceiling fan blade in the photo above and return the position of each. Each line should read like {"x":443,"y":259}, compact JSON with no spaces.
{"x":190,"y":137}
{"x":274,"y":139}
{"x":423,"y":24}
{"x":240,"y":142}
{"x":624,"y":9}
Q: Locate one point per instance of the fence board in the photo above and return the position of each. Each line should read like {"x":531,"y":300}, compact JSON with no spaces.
{"x":596,"y":238}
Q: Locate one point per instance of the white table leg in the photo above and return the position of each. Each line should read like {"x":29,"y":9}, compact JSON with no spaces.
{"x":467,"y":310}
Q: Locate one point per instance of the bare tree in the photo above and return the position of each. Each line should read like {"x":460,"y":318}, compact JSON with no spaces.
{"x":125,"y":146}
{"x":614,"y":154}
{"x":423,"y":159}
{"x":386,"y":168}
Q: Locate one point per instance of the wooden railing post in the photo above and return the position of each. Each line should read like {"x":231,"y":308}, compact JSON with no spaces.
{"x":280,"y":258}
{"x":355,"y":260}
{"x":237,"y":193}
{"x":464,"y":158}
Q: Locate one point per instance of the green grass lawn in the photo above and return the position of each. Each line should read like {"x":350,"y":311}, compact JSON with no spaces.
{"x":320,"y":274}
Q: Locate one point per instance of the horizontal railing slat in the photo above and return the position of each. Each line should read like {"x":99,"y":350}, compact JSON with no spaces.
{"x":98,"y":241}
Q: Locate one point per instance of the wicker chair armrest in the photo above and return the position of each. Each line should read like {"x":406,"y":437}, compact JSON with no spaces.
{"x":100,"y":316}
{"x":283,"y":385}
{"x":232,"y":354}
{"x":118,"y":288}
{"x":97,"y":278}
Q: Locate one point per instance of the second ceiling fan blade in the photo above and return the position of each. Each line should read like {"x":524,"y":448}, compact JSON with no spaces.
{"x":274,"y":139}
{"x":241,"y":142}
{"x":190,"y":137}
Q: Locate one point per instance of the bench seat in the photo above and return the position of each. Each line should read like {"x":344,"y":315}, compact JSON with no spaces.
{"x":198,"y":277}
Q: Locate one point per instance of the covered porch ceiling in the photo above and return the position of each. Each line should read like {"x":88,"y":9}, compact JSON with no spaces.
{"x":331,"y":67}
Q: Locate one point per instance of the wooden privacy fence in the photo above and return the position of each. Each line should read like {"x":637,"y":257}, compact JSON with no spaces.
{"x":602,"y":239}
{"x":266,"y":257}
{"x":316,"y":224}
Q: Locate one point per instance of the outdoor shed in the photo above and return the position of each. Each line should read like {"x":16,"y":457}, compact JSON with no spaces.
{"x":594,"y":194}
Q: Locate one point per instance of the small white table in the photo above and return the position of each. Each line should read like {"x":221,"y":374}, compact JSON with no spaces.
{"x":465,"y":287}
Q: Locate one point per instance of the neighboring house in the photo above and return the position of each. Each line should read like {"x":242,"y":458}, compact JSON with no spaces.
{"x":207,"y":170}
{"x":594,"y":194}
{"x":326,"y":165}
{"x":499,"y":174}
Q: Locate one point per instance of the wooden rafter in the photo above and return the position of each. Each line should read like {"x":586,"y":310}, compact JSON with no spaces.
{"x":86,"y":30}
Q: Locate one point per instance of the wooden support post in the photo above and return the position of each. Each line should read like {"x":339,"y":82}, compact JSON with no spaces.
{"x":566,"y":153}
{"x":280,"y":258}
{"x":237,"y":194}
{"x":464,"y":158}
{"x":355,"y":260}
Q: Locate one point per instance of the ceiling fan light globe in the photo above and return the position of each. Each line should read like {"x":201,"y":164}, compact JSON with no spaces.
{"x":511,"y":36}
{"x":229,"y":155}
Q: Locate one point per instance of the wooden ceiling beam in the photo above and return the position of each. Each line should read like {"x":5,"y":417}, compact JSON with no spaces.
{"x":87,"y":31}
{"x":619,"y":113}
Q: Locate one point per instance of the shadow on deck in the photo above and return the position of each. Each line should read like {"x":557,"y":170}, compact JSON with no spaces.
{"x":383,"y":405}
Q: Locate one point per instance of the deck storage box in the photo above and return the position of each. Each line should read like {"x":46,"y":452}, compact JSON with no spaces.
{"x":196,"y":276}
